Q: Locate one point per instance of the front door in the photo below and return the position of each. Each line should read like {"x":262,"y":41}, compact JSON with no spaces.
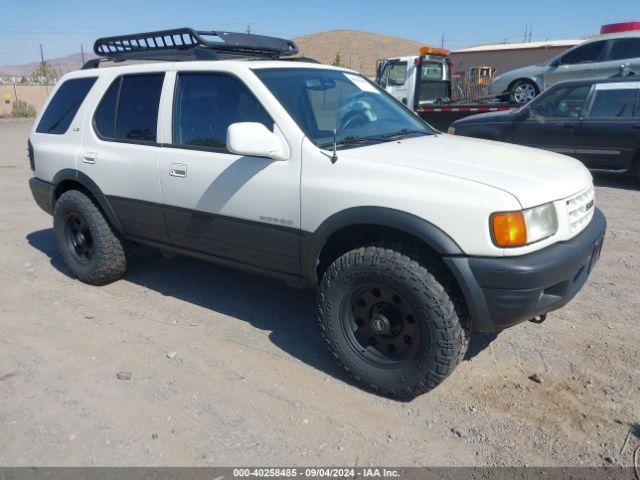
{"x":238,"y":208}
{"x":554,"y":120}
{"x":586,"y":61}
{"x":394,"y":80}
{"x":610,"y":135}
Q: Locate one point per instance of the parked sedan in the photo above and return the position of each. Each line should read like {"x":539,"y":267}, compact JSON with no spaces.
{"x":595,"y":121}
{"x":603,"y":57}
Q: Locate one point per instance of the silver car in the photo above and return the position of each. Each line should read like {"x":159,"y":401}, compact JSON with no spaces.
{"x":602,"y":57}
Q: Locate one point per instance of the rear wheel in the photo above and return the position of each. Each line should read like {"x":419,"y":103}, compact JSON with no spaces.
{"x":391,"y":320}
{"x":89,"y":246}
{"x":523,"y":91}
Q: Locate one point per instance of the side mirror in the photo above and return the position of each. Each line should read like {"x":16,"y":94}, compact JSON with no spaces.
{"x":526,"y":113}
{"x":255,"y":140}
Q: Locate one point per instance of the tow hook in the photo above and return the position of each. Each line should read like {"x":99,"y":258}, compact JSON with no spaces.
{"x":539,"y":319}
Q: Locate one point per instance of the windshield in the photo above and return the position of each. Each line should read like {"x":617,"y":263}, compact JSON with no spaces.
{"x":321,"y":100}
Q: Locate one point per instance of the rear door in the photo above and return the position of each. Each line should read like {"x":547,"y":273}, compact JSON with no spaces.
{"x":610,"y":133}
{"x":121,"y":151}
{"x":626,"y":52}
{"x":554,"y":120}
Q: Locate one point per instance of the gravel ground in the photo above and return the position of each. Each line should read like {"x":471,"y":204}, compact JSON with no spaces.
{"x":251,"y":383}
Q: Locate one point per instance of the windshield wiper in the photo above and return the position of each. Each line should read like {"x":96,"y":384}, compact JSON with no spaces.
{"x":403,"y":132}
{"x":352,"y":140}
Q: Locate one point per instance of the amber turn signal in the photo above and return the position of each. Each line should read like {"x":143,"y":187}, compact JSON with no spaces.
{"x":509,"y":229}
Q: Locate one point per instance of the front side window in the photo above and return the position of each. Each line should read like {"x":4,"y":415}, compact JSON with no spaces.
{"x":589,"y":53}
{"x":64,"y":105}
{"x":322,"y":100}
{"x":563,"y":102}
{"x":207,"y":104}
{"x":625,"y":48}
{"x":397,"y":73}
{"x":614,"y":103}
{"x":129,"y":109}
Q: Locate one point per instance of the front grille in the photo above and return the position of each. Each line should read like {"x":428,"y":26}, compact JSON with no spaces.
{"x":580,"y":209}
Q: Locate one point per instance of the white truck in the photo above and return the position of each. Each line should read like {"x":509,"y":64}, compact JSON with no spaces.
{"x":316,"y":176}
{"x":423,"y":83}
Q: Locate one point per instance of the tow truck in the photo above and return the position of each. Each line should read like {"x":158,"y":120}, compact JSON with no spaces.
{"x":423,"y":83}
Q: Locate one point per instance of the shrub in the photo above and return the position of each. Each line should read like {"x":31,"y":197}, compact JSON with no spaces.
{"x":22,"y":109}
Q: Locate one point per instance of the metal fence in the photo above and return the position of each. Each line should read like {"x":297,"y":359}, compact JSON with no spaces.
{"x":468,"y":90}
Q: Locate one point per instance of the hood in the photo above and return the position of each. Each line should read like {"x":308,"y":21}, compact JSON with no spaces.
{"x":533,"y":176}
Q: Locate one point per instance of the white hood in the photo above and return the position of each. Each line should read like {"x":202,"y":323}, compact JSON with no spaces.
{"x":533,"y":176}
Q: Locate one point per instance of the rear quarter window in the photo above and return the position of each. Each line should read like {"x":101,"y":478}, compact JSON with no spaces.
{"x":64,"y":105}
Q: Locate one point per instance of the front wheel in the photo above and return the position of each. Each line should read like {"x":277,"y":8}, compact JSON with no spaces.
{"x":524,"y":91}
{"x":89,"y":246}
{"x":391,"y":320}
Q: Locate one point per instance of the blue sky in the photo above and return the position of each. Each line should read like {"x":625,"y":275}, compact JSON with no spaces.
{"x":62,"y":25}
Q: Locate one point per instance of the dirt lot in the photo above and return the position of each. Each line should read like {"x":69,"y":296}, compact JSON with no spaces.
{"x":251,"y":383}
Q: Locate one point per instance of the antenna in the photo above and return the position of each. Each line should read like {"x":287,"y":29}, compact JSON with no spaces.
{"x":334,"y":156}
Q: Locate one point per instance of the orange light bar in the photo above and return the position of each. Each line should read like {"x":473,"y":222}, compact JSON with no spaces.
{"x":434,"y":51}
{"x":509,"y":229}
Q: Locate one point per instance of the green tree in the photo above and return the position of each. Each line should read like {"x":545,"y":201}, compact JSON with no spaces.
{"x":337,"y":62}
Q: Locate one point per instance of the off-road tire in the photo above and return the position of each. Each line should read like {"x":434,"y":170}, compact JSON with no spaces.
{"x":108,"y":262}
{"x":439,"y":307}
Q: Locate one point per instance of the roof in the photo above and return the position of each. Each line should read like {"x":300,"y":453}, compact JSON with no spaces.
{"x":202,"y":65}
{"x":522,"y":46}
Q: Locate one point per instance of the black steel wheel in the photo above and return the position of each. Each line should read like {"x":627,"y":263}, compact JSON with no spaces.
{"x":380,"y":324}
{"x":78,"y":237}
{"x":393,"y":319}
{"x":89,"y":246}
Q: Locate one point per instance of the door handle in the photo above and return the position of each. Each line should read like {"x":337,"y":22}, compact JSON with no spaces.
{"x":178,"y":170}
{"x":89,"y":157}
{"x":569,"y":126}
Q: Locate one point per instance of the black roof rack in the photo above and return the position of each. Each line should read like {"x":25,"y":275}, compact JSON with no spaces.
{"x":188,"y":44}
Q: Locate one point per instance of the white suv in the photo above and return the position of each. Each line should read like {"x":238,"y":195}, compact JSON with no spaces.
{"x":316,"y":176}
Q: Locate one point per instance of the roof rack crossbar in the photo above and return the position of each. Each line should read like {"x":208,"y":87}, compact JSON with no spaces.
{"x":181,"y":39}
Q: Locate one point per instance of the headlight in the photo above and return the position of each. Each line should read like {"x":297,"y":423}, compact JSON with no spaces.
{"x":516,"y":229}
{"x":451,"y":131}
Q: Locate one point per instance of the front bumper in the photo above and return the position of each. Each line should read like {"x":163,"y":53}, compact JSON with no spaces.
{"x":502,"y":292}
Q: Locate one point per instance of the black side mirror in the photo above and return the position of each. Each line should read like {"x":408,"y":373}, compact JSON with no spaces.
{"x":526,"y":113}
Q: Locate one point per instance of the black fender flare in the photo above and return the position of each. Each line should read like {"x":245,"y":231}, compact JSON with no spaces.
{"x":86,"y":182}
{"x":431,"y":235}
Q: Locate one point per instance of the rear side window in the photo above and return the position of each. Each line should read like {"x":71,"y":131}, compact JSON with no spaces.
{"x":205,"y":106}
{"x":625,"y":48}
{"x":129,"y":109}
{"x":64,"y":105}
{"x":614,"y":103}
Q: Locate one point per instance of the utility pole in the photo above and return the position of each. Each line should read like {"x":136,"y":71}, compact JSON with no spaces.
{"x":82,"y":53}
{"x":248,"y":28}
{"x":442,"y":41}
{"x":41,"y":54}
